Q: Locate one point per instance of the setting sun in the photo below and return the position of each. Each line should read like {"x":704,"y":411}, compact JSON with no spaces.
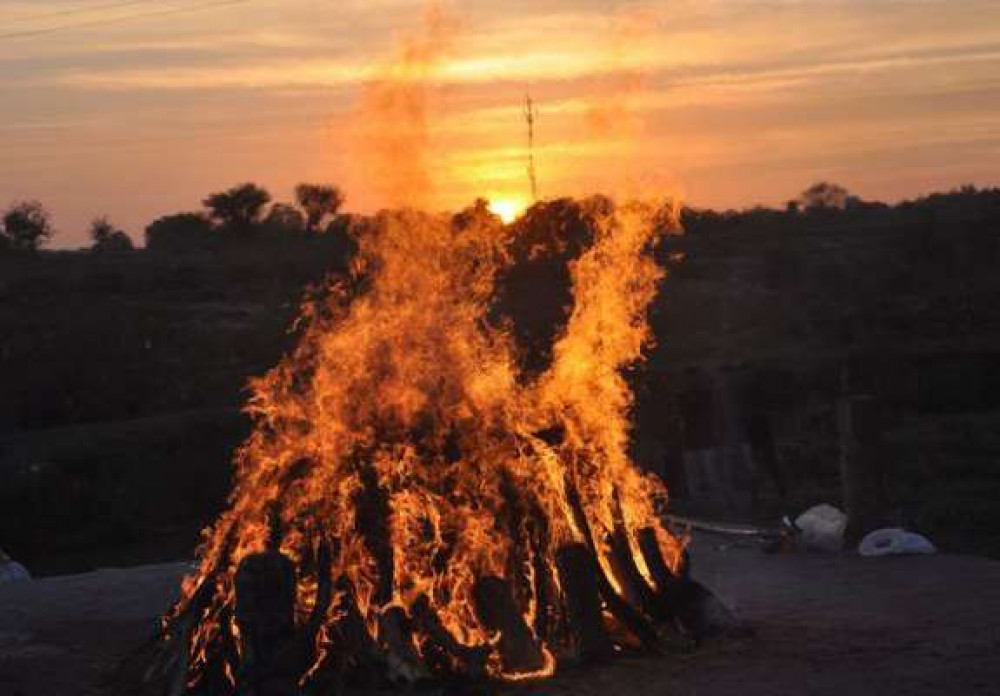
{"x":507,"y":209}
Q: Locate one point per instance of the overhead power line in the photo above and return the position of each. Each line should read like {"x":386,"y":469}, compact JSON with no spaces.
{"x":120,"y":20}
{"x":86,"y":9}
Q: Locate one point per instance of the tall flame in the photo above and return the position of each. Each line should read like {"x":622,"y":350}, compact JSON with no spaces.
{"x":399,"y":381}
{"x":402,"y":435}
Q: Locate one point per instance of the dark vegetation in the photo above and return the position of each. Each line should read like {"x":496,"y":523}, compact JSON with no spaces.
{"x":122,"y":370}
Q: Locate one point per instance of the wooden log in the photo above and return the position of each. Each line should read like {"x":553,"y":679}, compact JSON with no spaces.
{"x":360,"y":657}
{"x":514,"y":516}
{"x":265,"y":613}
{"x":578,"y":579}
{"x":395,"y":638}
{"x":546,"y":619}
{"x":497,"y":611}
{"x":627,"y":615}
{"x":218,"y":677}
{"x":649,"y":547}
{"x":636,"y":591}
{"x":371,"y":505}
{"x":351,"y":633}
{"x":622,"y":561}
{"x":693,"y":608}
{"x":324,"y":595}
{"x":442,"y":652}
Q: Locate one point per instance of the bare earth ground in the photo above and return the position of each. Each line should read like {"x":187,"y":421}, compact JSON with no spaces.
{"x":839,"y":625}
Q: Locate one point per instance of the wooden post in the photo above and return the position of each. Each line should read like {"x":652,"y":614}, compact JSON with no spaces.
{"x":861,"y":469}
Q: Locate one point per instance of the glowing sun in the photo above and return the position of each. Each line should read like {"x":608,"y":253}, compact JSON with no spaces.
{"x":507,"y":209}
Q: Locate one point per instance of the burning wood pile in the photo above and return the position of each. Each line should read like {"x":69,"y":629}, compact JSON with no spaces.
{"x":412,"y":506}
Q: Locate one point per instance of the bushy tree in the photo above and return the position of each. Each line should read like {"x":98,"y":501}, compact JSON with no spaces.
{"x":26,"y":226}
{"x":825,"y":195}
{"x":238,"y":208}
{"x":107,"y":238}
{"x":178,"y":233}
{"x":285,"y":218}
{"x":319,"y":201}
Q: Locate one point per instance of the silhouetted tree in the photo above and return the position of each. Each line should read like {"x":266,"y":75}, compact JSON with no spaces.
{"x":180,"y":232}
{"x":107,"y":238}
{"x":26,"y":226}
{"x":238,"y":208}
{"x":478,"y":213}
{"x":285,"y":218}
{"x":826,"y":196}
{"x":318,"y":201}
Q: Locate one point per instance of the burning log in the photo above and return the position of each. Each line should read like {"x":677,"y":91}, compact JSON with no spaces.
{"x":623,"y":566}
{"x":353,"y":650}
{"x":649,"y":547}
{"x":547,"y":617}
{"x":497,"y":611}
{"x":627,"y":615}
{"x":265,"y":614}
{"x":396,"y":639}
{"x":694,"y":609}
{"x":445,"y":654}
{"x":578,"y":579}
{"x":373,"y":511}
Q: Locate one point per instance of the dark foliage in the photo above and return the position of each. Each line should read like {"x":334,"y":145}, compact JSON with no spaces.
{"x":905,"y":296}
{"x":26,"y":227}
{"x":108,"y":239}
{"x":238,"y":209}
{"x":180,"y":233}
{"x":320,"y":202}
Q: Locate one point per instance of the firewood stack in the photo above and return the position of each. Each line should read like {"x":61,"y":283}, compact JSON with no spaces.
{"x":592,"y":604}
{"x":410,"y":507}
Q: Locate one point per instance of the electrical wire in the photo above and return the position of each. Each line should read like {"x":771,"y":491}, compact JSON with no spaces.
{"x":76,"y":11}
{"x":120,"y":20}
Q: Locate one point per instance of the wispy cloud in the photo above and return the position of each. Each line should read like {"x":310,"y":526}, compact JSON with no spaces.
{"x":737,"y":99}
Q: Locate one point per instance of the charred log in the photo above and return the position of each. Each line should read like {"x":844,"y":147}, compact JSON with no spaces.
{"x":622,"y":561}
{"x":443,"y":653}
{"x":396,"y":639}
{"x":497,"y":611}
{"x":630,"y":617}
{"x":649,"y":547}
{"x":578,"y":579}
{"x":360,"y":659}
{"x":515,"y":519}
{"x":373,"y":511}
{"x":265,"y":614}
{"x":690,"y":605}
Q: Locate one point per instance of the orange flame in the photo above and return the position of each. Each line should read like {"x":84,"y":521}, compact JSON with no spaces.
{"x":402,"y":414}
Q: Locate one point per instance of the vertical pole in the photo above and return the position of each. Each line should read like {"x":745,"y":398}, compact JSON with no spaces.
{"x":529,"y":114}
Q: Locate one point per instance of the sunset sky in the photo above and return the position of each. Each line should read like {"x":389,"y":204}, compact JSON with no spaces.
{"x":140,"y":108}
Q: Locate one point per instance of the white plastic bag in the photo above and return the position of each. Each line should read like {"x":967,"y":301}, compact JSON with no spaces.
{"x":894,"y":542}
{"x":821,"y":528}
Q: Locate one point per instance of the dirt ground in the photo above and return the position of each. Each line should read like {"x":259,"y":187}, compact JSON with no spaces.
{"x":839,"y":625}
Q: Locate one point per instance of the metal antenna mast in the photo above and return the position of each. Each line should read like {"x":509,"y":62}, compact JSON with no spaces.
{"x":529,"y":115}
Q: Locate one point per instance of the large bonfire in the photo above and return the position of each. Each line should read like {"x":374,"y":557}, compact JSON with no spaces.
{"x":411,"y":504}
{"x":414,"y":503}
